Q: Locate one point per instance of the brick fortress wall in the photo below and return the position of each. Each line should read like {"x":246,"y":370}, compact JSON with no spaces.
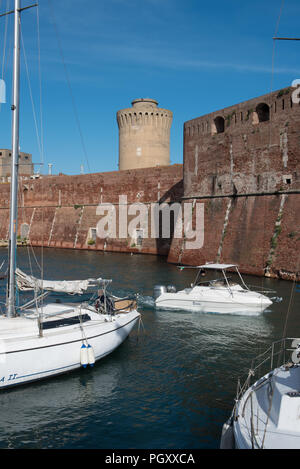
{"x":59,"y":211}
{"x":242,"y":163}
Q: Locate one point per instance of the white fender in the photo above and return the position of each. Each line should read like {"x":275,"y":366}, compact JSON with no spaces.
{"x":296,"y":352}
{"x":84,"y":356}
{"x":227,"y":438}
{"x":91,"y":355}
{"x":296,"y":356}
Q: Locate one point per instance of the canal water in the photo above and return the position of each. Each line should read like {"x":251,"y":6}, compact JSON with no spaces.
{"x":170,"y":385}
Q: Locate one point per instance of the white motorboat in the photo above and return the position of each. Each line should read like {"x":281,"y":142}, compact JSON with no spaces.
{"x":266,"y":414}
{"x":40,"y":340}
{"x":216,"y":296}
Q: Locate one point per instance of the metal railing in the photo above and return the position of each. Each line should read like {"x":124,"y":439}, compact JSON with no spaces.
{"x":279,"y":349}
{"x":279,"y":353}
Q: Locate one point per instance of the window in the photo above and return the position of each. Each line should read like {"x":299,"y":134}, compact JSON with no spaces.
{"x":219,"y":124}
{"x":93,"y":234}
{"x":24,"y":230}
{"x":139,"y":237}
{"x":263,"y":112}
{"x":287,"y":179}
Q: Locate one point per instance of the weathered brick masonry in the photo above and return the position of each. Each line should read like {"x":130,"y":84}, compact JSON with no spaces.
{"x":60,"y":211}
{"x":242,"y":163}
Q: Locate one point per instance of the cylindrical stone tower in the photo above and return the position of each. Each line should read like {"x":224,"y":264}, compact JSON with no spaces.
{"x":144,"y":135}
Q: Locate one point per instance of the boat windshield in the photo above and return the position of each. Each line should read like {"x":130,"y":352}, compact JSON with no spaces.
{"x":223,"y":281}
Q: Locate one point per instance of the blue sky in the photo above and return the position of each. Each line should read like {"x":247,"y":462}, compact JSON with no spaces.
{"x":193,"y":57}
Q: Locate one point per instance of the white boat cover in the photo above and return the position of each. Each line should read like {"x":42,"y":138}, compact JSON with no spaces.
{"x":28,"y":282}
{"x":217,"y":266}
{"x":210,"y":266}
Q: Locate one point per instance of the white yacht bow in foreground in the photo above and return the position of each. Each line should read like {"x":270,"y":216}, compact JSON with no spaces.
{"x":216,"y":296}
{"x":266,"y":414}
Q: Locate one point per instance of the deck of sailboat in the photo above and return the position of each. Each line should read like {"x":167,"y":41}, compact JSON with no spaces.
{"x":268,"y":412}
{"x":53,"y":316}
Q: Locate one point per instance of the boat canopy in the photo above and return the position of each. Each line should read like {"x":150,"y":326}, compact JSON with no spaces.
{"x":28,"y":282}
{"x":217,"y":266}
{"x":210,"y":266}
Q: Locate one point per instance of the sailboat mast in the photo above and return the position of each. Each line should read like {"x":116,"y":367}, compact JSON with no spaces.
{"x":14,"y":166}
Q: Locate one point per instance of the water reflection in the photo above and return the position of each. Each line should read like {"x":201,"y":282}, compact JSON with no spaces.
{"x":55,"y":399}
{"x":171,"y":387}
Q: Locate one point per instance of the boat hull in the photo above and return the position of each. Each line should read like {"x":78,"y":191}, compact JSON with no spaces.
{"x":30,"y":357}
{"x":204,"y":304}
{"x":267,"y":415}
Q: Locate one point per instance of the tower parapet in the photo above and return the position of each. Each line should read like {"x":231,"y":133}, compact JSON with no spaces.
{"x":144,"y":135}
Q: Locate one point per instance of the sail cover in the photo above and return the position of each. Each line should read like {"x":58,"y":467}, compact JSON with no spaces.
{"x":73,"y":287}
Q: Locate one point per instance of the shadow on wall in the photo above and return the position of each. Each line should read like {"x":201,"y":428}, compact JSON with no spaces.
{"x":166,"y":221}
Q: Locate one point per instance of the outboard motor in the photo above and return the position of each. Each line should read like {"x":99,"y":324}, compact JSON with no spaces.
{"x":159,"y":290}
{"x":171,"y":289}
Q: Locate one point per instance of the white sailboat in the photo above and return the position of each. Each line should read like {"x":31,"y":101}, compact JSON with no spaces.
{"x":217,"y":296}
{"x":43,"y":340}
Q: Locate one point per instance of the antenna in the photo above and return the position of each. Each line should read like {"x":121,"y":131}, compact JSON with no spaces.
{"x":287,"y":38}
{"x":19,"y":10}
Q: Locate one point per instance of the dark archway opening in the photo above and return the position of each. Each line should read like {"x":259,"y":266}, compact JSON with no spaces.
{"x":263,"y":112}
{"x":220,"y":124}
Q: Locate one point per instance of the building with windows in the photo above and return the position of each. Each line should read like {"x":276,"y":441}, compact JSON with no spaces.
{"x":248,"y":148}
{"x":25,"y":164}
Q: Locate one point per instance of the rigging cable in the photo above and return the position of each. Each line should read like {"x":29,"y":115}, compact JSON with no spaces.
{"x":69,"y":84}
{"x":275,"y":35}
{"x":42,"y":139}
{"x":31,"y":96}
{"x":271,"y":89}
{"x":93,"y":178}
{"x":251,"y":372}
{"x":268,"y":262}
{"x":298,"y":259}
{"x":4,"y":42}
{"x":40,"y":143}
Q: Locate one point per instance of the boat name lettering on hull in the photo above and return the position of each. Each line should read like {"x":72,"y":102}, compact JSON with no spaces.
{"x":10,"y":378}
